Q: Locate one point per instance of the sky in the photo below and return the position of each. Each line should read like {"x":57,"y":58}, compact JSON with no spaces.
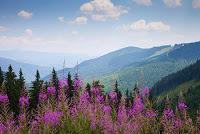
{"x":96,"y":27}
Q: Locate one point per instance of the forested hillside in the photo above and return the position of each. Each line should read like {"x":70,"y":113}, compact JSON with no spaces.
{"x":189,"y":73}
{"x":133,"y":65}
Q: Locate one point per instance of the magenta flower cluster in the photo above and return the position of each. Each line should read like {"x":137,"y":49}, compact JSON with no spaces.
{"x":182,"y":106}
{"x":4,"y":99}
{"x":23,"y":101}
{"x":51,"y":90}
{"x":52,"y":118}
{"x":93,"y":111}
{"x":42,"y":97}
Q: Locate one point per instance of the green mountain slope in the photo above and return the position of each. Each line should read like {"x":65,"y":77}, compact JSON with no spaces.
{"x":186,"y":82}
{"x":136,"y":65}
{"x":189,"y":73}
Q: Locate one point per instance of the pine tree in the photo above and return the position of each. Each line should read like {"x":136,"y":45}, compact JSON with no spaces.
{"x":70,"y":86}
{"x":1,"y":77}
{"x":21,"y":81}
{"x":55,"y":81}
{"x":88,"y":89}
{"x":119,"y":95}
{"x":34,"y":96}
{"x":127,"y":99}
{"x":11,"y":90}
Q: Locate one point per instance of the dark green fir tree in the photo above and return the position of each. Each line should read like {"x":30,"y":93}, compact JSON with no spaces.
{"x":34,"y":94}
{"x":55,"y":81}
{"x":11,"y":90}
{"x":1,"y":77}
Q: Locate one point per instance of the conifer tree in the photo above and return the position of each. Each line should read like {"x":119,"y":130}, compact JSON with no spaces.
{"x":1,"y":77}
{"x":119,"y":95}
{"x":70,"y":86}
{"x":88,"y":89}
{"x":55,"y":81}
{"x":34,"y":96}
{"x":12,"y":91}
{"x":21,"y":81}
{"x":127,"y":99}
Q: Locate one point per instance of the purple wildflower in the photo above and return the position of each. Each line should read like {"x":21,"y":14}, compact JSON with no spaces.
{"x":182,"y":106}
{"x":4,"y":99}
{"x":52,"y":118}
{"x":112,"y":95}
{"x":42,"y":97}
{"x":138,"y":105}
{"x":151,"y":114}
{"x":78,"y":84}
{"x":23,"y":101}
{"x":2,"y":128}
{"x":22,"y":117}
{"x":63,"y":83}
{"x":107,"y":109}
{"x":100,"y":98}
{"x":95,"y":90}
{"x":168,"y":113}
{"x":178,"y":123}
{"x":51,"y":90}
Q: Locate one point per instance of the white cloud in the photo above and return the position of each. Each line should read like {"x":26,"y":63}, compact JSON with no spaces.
{"x":78,"y":20}
{"x":196,"y":3}
{"x":61,"y":19}
{"x":25,"y":14}
{"x":142,"y":25}
{"x":172,"y":3}
{"x":143,"y":2}
{"x":102,"y":10}
{"x":29,"y":32}
{"x":2,"y":29}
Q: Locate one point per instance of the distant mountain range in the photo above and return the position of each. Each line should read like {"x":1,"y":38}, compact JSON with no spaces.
{"x":129,"y":65}
{"x":133,"y":65}
{"x":29,"y":70}
{"x":48,"y":59}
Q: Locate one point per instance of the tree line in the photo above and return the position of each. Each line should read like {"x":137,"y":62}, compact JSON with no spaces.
{"x":169,"y":82}
{"x":14,"y":86}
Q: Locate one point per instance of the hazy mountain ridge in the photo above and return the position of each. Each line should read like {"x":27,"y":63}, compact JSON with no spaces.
{"x":112,"y":61}
{"x":29,"y":70}
{"x":48,"y":59}
{"x":129,"y":65}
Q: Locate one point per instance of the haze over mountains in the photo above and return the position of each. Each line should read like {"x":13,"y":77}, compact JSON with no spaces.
{"x":29,"y":70}
{"x":30,"y":61}
{"x":44,"y":58}
{"x":133,"y":65}
{"x":129,"y":65}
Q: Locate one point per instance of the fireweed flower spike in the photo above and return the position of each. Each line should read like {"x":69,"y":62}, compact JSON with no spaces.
{"x":63,"y":83}
{"x":182,"y":106}
{"x":94,"y":113}
{"x":2,"y":128}
{"x":4,"y":99}
{"x":42,"y":97}
{"x":23,"y":101}
{"x":51,"y":90}
{"x":52,"y":118}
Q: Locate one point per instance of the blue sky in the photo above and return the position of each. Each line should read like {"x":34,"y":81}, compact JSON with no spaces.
{"x":96,"y":27}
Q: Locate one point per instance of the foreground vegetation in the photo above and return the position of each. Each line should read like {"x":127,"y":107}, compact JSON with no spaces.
{"x":67,"y":106}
